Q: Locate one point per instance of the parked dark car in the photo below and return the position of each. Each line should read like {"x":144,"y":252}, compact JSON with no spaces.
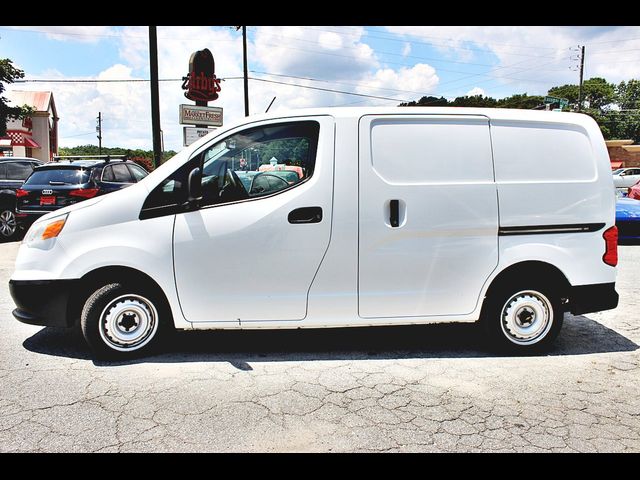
{"x":628,"y":219}
{"x":13,"y":172}
{"x":57,"y":184}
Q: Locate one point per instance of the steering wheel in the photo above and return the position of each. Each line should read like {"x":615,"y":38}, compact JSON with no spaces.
{"x":233,"y":178}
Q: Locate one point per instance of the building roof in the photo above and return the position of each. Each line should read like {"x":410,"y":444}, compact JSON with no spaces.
{"x":40,"y":101}
{"x":618,"y":143}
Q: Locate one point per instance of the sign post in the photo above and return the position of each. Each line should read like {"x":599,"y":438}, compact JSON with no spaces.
{"x":202,"y":86}
{"x":562,"y":102}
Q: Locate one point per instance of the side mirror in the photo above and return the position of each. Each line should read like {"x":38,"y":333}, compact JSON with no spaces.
{"x":194,"y":186}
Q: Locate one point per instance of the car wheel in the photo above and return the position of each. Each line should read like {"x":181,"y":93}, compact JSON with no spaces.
{"x":121,"y":321}
{"x":8,"y":223}
{"x":522,"y":318}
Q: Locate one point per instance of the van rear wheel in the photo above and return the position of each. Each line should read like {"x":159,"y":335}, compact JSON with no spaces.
{"x":522,"y":318}
{"x":120,"y":321}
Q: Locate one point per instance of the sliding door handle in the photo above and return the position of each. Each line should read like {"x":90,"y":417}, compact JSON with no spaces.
{"x":394,"y":213}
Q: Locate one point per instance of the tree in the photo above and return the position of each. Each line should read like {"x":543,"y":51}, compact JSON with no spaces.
{"x":474,"y":101}
{"x":596,"y":93}
{"x":628,"y":94}
{"x":8,"y":74}
{"x":427,"y":101}
{"x":521,"y":101}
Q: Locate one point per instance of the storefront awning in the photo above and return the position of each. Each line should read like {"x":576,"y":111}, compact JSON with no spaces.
{"x":29,"y":142}
{"x":615,"y":165}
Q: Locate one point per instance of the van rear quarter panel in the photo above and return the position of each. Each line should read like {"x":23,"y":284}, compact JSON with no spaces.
{"x":550,"y":174}
{"x":554,"y":173}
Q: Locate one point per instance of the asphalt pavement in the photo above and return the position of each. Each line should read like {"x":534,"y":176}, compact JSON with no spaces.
{"x":422,"y":388}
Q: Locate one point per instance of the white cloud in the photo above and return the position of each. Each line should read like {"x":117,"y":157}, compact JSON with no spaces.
{"x":475,"y":91}
{"x":311,"y":52}
{"x":406,"y":49}
{"x":417,"y":81}
{"x":535,"y":58}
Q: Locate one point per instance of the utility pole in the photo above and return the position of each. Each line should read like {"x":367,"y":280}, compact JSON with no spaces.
{"x":246,"y":69}
{"x":155,"y":96}
{"x":99,"y":130}
{"x":581,"y":74}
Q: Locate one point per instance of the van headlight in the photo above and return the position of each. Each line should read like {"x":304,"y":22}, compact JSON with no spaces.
{"x":42,"y":231}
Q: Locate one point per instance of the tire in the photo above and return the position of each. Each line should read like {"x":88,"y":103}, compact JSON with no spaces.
{"x":8,"y":224}
{"x":120,"y":321}
{"x":522,"y":318}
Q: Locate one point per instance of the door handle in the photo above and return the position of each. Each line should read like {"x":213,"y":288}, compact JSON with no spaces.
{"x":394,"y":213}
{"x":306,"y":215}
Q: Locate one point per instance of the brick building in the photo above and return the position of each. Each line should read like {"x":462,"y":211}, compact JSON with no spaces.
{"x":623,"y":153}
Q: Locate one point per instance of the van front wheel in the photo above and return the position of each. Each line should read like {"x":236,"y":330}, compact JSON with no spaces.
{"x":119,"y":321}
{"x":523,"y":318}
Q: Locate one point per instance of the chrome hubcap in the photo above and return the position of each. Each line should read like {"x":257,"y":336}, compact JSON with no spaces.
{"x":526,"y":317}
{"x":7,"y":223}
{"x":128,"y":323}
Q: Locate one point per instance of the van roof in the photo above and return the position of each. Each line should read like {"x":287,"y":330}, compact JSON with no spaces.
{"x":491,"y":113}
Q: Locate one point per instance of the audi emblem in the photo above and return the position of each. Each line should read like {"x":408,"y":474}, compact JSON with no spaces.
{"x":47,"y":192}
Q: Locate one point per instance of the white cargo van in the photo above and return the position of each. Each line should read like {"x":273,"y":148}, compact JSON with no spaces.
{"x":335,"y":218}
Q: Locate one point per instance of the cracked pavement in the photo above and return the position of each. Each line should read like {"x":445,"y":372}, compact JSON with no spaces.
{"x":424,"y":389}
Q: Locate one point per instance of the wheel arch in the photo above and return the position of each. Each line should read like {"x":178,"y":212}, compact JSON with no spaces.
{"x":536,"y":271}
{"x":7,"y":196}
{"x":92,"y":280}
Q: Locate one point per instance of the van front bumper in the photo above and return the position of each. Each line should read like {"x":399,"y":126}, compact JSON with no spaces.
{"x":593,"y":298}
{"x":43,"y":302}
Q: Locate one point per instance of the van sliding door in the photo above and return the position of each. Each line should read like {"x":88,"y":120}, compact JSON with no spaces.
{"x":428,"y":214}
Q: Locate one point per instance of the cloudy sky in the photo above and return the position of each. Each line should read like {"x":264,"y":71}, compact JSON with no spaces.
{"x":312,"y":66}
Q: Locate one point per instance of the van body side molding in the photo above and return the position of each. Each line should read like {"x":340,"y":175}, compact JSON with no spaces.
{"x":539,"y":229}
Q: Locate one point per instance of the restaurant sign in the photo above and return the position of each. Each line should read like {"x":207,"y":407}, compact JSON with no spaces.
{"x":197,"y":115}
{"x":201,"y":83}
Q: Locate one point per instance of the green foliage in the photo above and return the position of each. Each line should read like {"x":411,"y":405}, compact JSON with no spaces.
{"x":474,"y":101}
{"x":427,"y":102}
{"x":9,"y":74}
{"x":628,"y":94}
{"x":521,"y":101}
{"x":143,"y":157}
{"x":294,"y":150}
{"x":570,"y":92}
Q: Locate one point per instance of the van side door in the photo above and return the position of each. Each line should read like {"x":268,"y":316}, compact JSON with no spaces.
{"x":428,"y":214}
{"x":250,"y":249}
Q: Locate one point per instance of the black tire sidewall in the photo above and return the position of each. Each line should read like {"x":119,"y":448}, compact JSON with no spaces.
{"x":491,"y":317}
{"x":98,"y":301}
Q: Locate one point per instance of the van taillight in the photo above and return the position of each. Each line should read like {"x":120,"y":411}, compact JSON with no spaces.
{"x":84,"y":192}
{"x":21,"y":193}
{"x":610,"y":256}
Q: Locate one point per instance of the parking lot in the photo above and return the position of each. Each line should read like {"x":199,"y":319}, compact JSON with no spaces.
{"x":427,"y":388}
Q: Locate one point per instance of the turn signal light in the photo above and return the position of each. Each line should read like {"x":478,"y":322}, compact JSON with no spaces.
{"x":53,"y":229}
{"x":21,"y":193}
{"x":610,"y":256}
{"x":84,"y":192}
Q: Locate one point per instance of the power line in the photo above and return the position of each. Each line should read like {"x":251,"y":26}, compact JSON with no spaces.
{"x":105,"y":35}
{"x":111,"y":80}
{"x":329,"y":90}
{"x":455,"y":47}
{"x":79,"y":135}
{"x":393,"y":63}
{"x":361,"y":85}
